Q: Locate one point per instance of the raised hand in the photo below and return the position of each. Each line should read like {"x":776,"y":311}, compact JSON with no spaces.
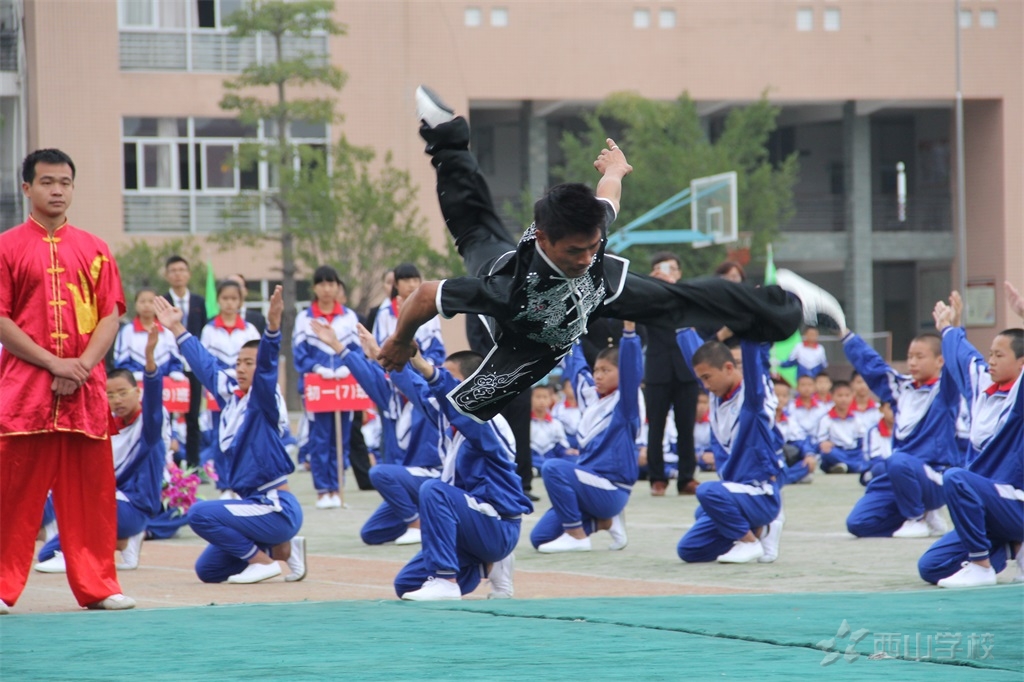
{"x":368,"y":342}
{"x":326,"y":333}
{"x":612,"y":159}
{"x":1015,"y":299}
{"x":276,"y":310}
{"x":168,"y":315}
{"x":957,"y":305}
{"x":152,"y":338}
{"x":943,"y":315}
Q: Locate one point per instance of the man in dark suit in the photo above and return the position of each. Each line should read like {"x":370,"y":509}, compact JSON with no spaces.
{"x":177,"y":273}
{"x":252,"y":315}
{"x":668,"y":382}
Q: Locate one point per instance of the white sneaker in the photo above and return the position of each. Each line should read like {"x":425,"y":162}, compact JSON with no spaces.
{"x":936,"y":524}
{"x":912,"y":528}
{"x":431,"y":109}
{"x":297,"y":560}
{"x":335,"y":501}
{"x":4,"y":608}
{"x":130,"y":554}
{"x":55,"y":564}
{"x":771,"y":539}
{"x":743,"y":553}
{"x":115,"y":602}
{"x":435,"y":589}
{"x":325,"y":502}
{"x":411,"y":536}
{"x":255,"y":573}
{"x":815,"y":300}
{"x":565,"y":543}
{"x":970,"y":575}
{"x":839,"y":468}
{"x":1020,"y":564}
{"x":501,"y":578}
{"x":618,"y":532}
{"x":230,"y":495}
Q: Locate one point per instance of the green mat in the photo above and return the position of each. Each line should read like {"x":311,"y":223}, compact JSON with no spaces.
{"x":958,"y":635}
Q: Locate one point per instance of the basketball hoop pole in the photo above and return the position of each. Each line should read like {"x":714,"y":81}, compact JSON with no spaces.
{"x":961,"y":199}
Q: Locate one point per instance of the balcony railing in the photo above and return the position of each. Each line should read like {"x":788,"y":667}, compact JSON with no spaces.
{"x":208,"y":50}
{"x":197,"y":213}
{"x":827,"y":213}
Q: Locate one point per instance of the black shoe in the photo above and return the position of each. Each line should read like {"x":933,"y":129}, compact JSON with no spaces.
{"x":530,"y":496}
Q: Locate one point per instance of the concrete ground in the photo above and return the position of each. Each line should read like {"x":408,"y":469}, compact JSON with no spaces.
{"x":817,"y":555}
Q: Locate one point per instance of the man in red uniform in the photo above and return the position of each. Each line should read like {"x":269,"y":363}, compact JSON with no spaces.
{"x":60,"y":300}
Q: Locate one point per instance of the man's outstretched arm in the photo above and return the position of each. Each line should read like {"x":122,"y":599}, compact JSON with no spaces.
{"x":416,"y":311}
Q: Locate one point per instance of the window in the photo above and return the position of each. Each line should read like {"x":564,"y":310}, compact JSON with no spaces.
{"x":185,"y":174}
{"x":832,"y":18}
{"x":667,"y":18}
{"x":966,"y":18}
{"x":194,"y":35}
{"x":499,"y":17}
{"x":641,"y":18}
{"x":805,"y":19}
{"x":988,"y":18}
{"x":473,"y":16}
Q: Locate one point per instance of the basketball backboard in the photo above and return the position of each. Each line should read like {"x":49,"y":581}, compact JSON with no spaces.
{"x":713,"y":209}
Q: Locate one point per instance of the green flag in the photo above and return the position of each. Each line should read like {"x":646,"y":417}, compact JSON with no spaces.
{"x":782,"y":349}
{"x":211,"y":292}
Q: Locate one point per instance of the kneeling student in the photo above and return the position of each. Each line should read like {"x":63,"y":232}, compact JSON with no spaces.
{"x":740,"y":516}
{"x":590,"y":496}
{"x":250,"y":535}
{"x":470,"y":517}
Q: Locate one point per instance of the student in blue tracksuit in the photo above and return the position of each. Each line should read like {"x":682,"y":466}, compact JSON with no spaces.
{"x":590,"y":496}
{"x":409,"y":438}
{"x":809,"y":356}
{"x":140,"y":448}
{"x":986,"y":496}
{"x":471,"y":516}
{"x":249,"y":535}
{"x":904,"y":501}
{"x":841,"y":435}
{"x":740,"y":516}
{"x":313,"y":356}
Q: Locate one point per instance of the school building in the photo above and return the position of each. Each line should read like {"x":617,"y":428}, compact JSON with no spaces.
{"x":130,"y":88}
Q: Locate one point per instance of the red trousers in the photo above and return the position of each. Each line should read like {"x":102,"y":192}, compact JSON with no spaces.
{"x":80,"y":472}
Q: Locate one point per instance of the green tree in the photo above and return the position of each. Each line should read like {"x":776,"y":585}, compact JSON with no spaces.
{"x":668,"y":147}
{"x":141,"y":264}
{"x":370,"y":224}
{"x":266,"y":92}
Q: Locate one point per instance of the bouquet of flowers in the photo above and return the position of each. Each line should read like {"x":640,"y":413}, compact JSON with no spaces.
{"x":180,"y":486}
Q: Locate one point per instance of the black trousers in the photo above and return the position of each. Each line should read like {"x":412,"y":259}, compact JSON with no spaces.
{"x":682,"y":397}
{"x":193,"y":435}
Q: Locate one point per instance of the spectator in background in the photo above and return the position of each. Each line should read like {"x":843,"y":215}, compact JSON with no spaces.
{"x":193,"y":308}
{"x":668,"y":383}
{"x":251,"y":315}
{"x":732,"y":271}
